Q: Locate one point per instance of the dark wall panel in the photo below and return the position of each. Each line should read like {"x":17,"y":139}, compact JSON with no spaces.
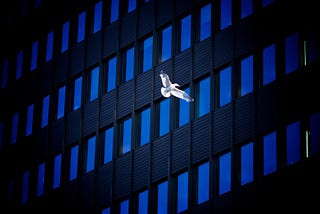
{"x":164,"y":12}
{"x":104,"y":185}
{"x":146,"y":17}
{"x":61,"y":68}
{"x":46,"y":79}
{"x":223,"y":45}
{"x":180,"y":149}
{"x":202,"y":58}
{"x":57,"y":136}
{"x":201,"y":138}
{"x":77,"y":60}
{"x":107,"y":108}
{"x":183,"y":67}
{"x":125,"y":99}
{"x":141,"y":167}
{"x":128,"y":29}
{"x":73,"y":127}
{"x":144,"y":89}
{"x":87,"y":188}
{"x":160,"y":158}
{"x":222,"y":128}
{"x":244,"y":118}
{"x":167,"y":68}
{"x":90,"y":117}
{"x":111,"y":39}
{"x":244,"y":37}
{"x":122,"y":176}
{"x":43,"y":143}
{"x":94,"y":48}
{"x":71,"y":196}
{"x":182,"y":6}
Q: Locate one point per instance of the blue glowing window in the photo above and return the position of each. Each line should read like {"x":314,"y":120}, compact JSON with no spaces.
{"x":291,"y":53}
{"x":57,"y":171}
{"x":14,"y":130}
{"x":91,"y":149}
{"x":112,"y":73}
{"x":162,"y":207}
{"x":114,"y":11}
{"x":269,"y":153}
{"x":269,"y":64}
{"x":225,"y":85}
{"x":247,"y":163}
{"x":246,"y":8}
{"x":49,"y":51}
{"x":166,"y":43}
{"x":225,"y":14}
{"x":164,"y":120}
{"x":246,"y":75}
{"x":41,"y":176}
{"x":34,"y":56}
{"x":143,"y":202}
{"x":145,"y":127}
{"x":94,"y":84}
{"x":124,"y":207}
{"x":266,"y":2}
{"x":203,"y":182}
{"x":129,"y":64}
{"x":108,"y":145}
{"x":97,"y":22}
{"x":19,"y":64}
{"x":126,"y":136}
{"x":184,"y":110}
{"x":182,"y":200}
{"x":131,"y":5}
{"x":61,"y":102}
{"x":147,"y":54}
{"x":106,"y":210}
{"x":204,"y":97}
{"x":205,"y":22}
{"x":74,"y":162}
{"x":185,"y":33}
{"x":25,"y":187}
{"x":81,"y":26}
{"x":45,"y":111}
{"x":224,"y":173}
{"x":65,"y":37}
{"x":77,"y":93}
{"x":293,"y":142}
{"x":29,"y":120}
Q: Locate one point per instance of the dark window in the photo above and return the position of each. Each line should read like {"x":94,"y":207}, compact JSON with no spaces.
{"x":91,"y":149}
{"x":4,"y":77}
{"x":266,"y":2}
{"x":269,"y":153}
{"x":269,"y":64}
{"x":225,"y":14}
{"x":126,"y":127}
{"x":166,"y":43}
{"x":293,"y":142}
{"x":61,"y":102}
{"x":77,"y":93}
{"x":124,"y":207}
{"x":65,"y":37}
{"x":162,"y":207}
{"x":108,"y":145}
{"x":225,"y":85}
{"x":41,"y":174}
{"x":143,"y":202}
{"x":1,"y":134}
{"x":224,"y":173}
{"x":203,"y":101}
{"x":164,"y":117}
{"x":129,"y":65}
{"x":292,"y":53}
{"x":114,"y":11}
{"x":14,"y":130}
{"x":94,"y":83}
{"x":112,"y":73}
{"x":29,"y":120}
{"x":184,"y":110}
{"x":19,"y":64}
{"x":49,"y":50}
{"x":131,"y":5}
{"x":81,"y":26}
{"x":182,"y":197}
{"x":185,"y":33}
{"x":246,"y":8}
{"x":312,"y":48}
{"x":25,"y":187}
{"x":247,"y":163}
{"x":205,"y":22}
{"x":147,"y":54}
{"x":74,"y":162}
{"x":34,"y":56}
{"x":45,"y":111}
{"x":97,"y":22}
{"x":203,"y":182}
{"x":315,"y":133}
{"x":145,"y":126}
{"x":246,"y":75}
{"x":57,"y":171}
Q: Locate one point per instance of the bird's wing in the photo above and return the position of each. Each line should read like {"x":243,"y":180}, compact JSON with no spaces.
{"x":181,"y":94}
{"x":165,"y":92}
{"x":165,"y":79}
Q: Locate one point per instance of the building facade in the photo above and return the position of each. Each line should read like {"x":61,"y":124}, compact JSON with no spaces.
{"x":84,"y":127}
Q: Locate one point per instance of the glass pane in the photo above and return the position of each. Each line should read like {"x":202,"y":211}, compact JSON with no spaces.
{"x":131,"y":5}
{"x":19,"y":64}
{"x":246,"y":163}
{"x":182,"y":200}
{"x":166,"y":43}
{"x":49,"y":51}
{"x":94,"y":83}
{"x":126,"y":142}
{"x":185,"y":33}
{"x":145,"y":127}
{"x":293,"y":142}
{"x":129,"y":64}
{"x":266,"y":2}
{"x":45,"y":111}
{"x":112,"y":73}
{"x":25,"y":187}
{"x":246,"y":8}
{"x":91,"y":153}
{"x":65,"y":37}
{"x":114,"y":10}
{"x":269,"y":153}
{"x":184,"y":110}
{"x":292,"y":53}
{"x":203,"y":182}
{"x":97,"y":17}
{"x":124,"y":207}
{"x":29,"y":120}
{"x":269,"y":64}
{"x":147,"y":54}
{"x":77,"y":93}
{"x":226,"y":14}
{"x":247,"y":75}
{"x":40,"y":184}
{"x":315,"y":132}
{"x":205,"y":22}
{"x":61,"y":102}
{"x":163,"y":198}
{"x":106,"y":211}
{"x":57,"y":171}
{"x":225,"y":173}
{"x":204,"y":96}
{"x":34,"y":56}
{"x":164,"y":125}
{"x":14,"y":130}
{"x":108,"y":145}
{"x":81,"y":26}
{"x":225,"y":86}
{"x":143,"y":202}
{"x":74,"y":163}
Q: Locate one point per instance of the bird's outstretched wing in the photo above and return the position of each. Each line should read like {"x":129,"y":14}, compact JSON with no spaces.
{"x":165,"y":79}
{"x":181,"y":94}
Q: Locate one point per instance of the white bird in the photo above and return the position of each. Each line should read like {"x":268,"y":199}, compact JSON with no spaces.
{"x":170,"y":88}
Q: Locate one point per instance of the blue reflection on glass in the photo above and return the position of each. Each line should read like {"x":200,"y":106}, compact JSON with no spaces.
{"x":205,"y":22}
{"x":182,"y":192}
{"x":61,"y":102}
{"x":74,"y":162}
{"x":108,"y":145}
{"x":14,"y":130}
{"x":224,"y":173}
{"x":163,"y":198}
{"x":94,"y":86}
{"x":131,"y":5}
{"x":65,"y":37}
{"x":184,"y":110}
{"x":315,"y":132}
{"x":164,"y":125}
{"x":246,"y":8}
{"x":57,"y":171}
{"x":143,"y":202}
{"x":112,"y":72}
{"x":185,"y":33}
{"x":246,"y":75}
{"x":34,"y":56}
{"x":19,"y":64}
{"x":124,"y":207}
{"x":166,"y":43}
{"x":81,"y":26}
{"x":292,"y":53}
{"x":45,"y":111}
{"x":127,"y":131}
{"x":129,"y":64}
{"x":293,"y":142}
{"x":91,"y":149}
{"x":147,"y":54}
{"x":225,"y":86}
{"x":97,"y":23}
{"x":203,"y":182}
{"x":40,"y":184}
{"x":269,"y":64}
{"x":49,"y":50}
{"x":145,"y":127}
{"x":29,"y":120}
{"x":225,"y":14}
{"x":269,"y":153}
{"x":77,"y":93}
{"x":114,"y":11}
{"x":204,"y":96}
{"x":247,"y":163}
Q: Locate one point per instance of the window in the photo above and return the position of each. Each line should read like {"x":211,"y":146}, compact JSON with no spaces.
{"x":90,"y":154}
{"x":126,"y":130}
{"x":246,"y":163}
{"x":184,"y":110}
{"x":65,"y":37}
{"x":312,"y":48}
{"x":19,"y":65}
{"x":164,"y":117}
{"x":203,"y":182}
{"x":4,"y":77}
{"x":25,"y":187}
{"x":81,"y":26}
{"x":147,"y":54}
{"x":203,"y":101}
{"x":45,"y":111}
{"x":61,"y":102}
{"x":182,"y":200}
{"x":246,"y":75}
{"x":49,"y":51}
{"x":292,"y":53}
{"x":77,"y":93}
{"x":124,"y":207}
{"x":225,"y":173}
{"x":29,"y":120}
{"x":266,"y":2}
{"x":74,"y":162}
{"x":131,"y":5}
{"x":41,"y":174}
{"x":315,"y":133}
{"x":94,"y":83}
{"x":162,"y":207}
{"x":166,"y":43}
{"x":225,"y":14}
{"x":112,"y":73}
{"x":205,"y":22}
{"x":269,"y":64}
{"x":293,"y":142}
{"x":269,"y":153}
{"x":97,"y":22}
{"x":114,"y":11}
{"x":143,"y":202}
{"x":57,"y":171}
{"x":246,"y":8}
{"x":14,"y":130}
{"x":225,"y":84}
{"x":145,"y":126}
{"x":185,"y":33}
{"x":106,"y":210}
{"x":34,"y":56}
{"x":128,"y":72}
{"x":108,"y":145}
{"x":1,"y":134}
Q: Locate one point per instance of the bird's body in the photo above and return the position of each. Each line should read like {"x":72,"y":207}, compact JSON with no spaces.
{"x":169,"y":88}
